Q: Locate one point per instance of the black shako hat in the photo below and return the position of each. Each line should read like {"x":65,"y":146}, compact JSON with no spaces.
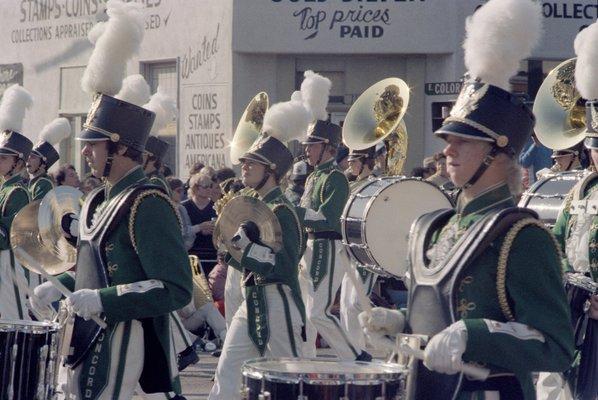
{"x":156,"y":147}
{"x":487,"y":112}
{"x":272,"y":153}
{"x":324,"y":132}
{"x":118,"y":121}
{"x":370,"y":152}
{"x":46,"y":152}
{"x":15,"y":144}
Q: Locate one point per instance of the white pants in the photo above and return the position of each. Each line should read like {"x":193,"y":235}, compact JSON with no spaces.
{"x":351,"y":306}
{"x":193,"y":319}
{"x":319,"y":302}
{"x":233,"y":293}
{"x":13,"y":300}
{"x":239,"y":348}
{"x":552,"y":386}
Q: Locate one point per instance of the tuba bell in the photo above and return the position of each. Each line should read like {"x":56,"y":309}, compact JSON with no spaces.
{"x":560,"y":109}
{"x":249,"y":127}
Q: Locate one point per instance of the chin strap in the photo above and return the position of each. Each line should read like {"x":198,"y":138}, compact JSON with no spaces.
{"x":321,"y":154}
{"x":109,"y":159}
{"x":267,"y":174}
{"x":12,"y":169}
{"x":482,"y":168}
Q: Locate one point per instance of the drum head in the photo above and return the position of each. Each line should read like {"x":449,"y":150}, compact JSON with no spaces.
{"x":390,"y":216}
{"x":7,"y":325}
{"x":321,"y":372}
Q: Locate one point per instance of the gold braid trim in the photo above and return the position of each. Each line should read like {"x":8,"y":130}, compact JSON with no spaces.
{"x":299,"y":230}
{"x":501,"y":270}
{"x":137,"y":203}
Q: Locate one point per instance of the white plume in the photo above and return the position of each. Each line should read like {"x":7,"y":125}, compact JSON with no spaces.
{"x":135,"y":90}
{"x":287,"y":120}
{"x":15,"y":100}
{"x":315,"y":90}
{"x":97,"y":31}
{"x":499,"y":35}
{"x":586,"y":67}
{"x":120,"y":39}
{"x":55,"y":131}
{"x":165,"y":109}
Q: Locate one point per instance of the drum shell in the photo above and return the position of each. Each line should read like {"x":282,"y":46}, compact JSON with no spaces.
{"x":29,"y":337}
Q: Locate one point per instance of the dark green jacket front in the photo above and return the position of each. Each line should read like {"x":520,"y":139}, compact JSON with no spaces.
{"x":40,"y":186}
{"x":13,"y":197}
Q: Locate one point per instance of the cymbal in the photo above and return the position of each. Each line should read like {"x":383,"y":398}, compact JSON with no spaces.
{"x":24,"y":233}
{"x":57,"y":203}
{"x":243,"y":209}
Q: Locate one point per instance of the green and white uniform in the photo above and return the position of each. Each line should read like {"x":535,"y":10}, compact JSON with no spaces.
{"x":13,"y":197}
{"x":269,"y":321}
{"x":149,"y":277}
{"x":40,"y":186}
{"x":325,"y":260}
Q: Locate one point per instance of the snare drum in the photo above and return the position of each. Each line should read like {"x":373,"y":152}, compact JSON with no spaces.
{"x":377,"y":218}
{"x":295,"y":379}
{"x":546,"y":195}
{"x":28,"y":367}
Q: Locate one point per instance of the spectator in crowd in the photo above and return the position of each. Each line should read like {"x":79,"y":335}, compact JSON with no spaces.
{"x":294,"y":191}
{"x":189,"y":231}
{"x":200,"y":208}
{"x":418,"y":172}
{"x":535,"y":157}
{"x":66,"y":175}
{"x":89,"y":184}
{"x":429,"y":165}
{"x":441,"y":177}
{"x":221,"y":175}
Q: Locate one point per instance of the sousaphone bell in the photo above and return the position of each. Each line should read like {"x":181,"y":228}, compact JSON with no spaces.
{"x":560,"y":109}
{"x":249,"y":127}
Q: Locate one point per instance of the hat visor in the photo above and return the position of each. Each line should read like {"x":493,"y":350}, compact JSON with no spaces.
{"x":36,"y":153}
{"x":253,"y":157}
{"x":462,"y":130}
{"x":88,"y":135}
{"x":5,"y":151}
{"x":591,"y":143}
{"x":313,"y":140}
{"x":355,"y":157}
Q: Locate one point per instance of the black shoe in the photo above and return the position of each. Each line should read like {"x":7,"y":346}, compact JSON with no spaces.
{"x":364,"y":356}
{"x":187,"y":357}
{"x":216,"y":353}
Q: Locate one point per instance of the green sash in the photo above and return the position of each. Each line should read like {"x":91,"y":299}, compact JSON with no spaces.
{"x":319,"y":261}
{"x":257,"y":317}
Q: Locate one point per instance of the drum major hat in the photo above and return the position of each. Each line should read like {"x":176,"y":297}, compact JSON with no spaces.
{"x":15,"y":101}
{"x":15,"y":144}
{"x":51,"y":134}
{"x":156,"y":147}
{"x":271,"y":152}
{"x":324,"y":132}
{"x":118,"y":121}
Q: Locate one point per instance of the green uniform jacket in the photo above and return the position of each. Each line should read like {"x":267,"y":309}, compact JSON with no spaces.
{"x":156,"y":178}
{"x":330,"y":191}
{"x":39,"y":186}
{"x":13,"y":197}
{"x":147,"y":244}
{"x":564,"y":223}
{"x":534,"y":290}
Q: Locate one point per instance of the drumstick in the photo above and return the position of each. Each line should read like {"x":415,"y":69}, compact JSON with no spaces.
{"x":63,"y":289}
{"x":474,"y":371}
{"x":25,"y":287}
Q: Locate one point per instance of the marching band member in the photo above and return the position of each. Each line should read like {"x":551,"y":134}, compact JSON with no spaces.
{"x":576,"y":227}
{"x":132,"y":266}
{"x":271,"y":318}
{"x":484,"y":281}
{"x":564,"y":160}
{"x":325,"y":259}
{"x":361,"y":165}
{"x":44,"y":155}
{"x":14,"y":151}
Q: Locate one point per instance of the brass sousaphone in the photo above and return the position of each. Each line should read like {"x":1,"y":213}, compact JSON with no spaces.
{"x":377,"y":115}
{"x":249,"y":127}
{"x":560,"y":109}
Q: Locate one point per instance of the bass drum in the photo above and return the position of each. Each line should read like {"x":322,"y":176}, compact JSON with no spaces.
{"x":546,"y":195}
{"x":377,"y":218}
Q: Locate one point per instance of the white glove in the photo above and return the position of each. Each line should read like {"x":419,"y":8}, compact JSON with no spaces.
{"x":74,"y":228}
{"x":85,"y":303}
{"x":382,"y":321}
{"x":443,"y":353}
{"x":240,"y":239}
{"x":43,"y":297}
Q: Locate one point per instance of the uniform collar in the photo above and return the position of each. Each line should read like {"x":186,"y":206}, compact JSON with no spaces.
{"x":272,"y":194}
{"x":133,"y":176}
{"x":12,"y":180}
{"x":37,"y":178}
{"x":327,"y":165}
{"x":495,"y":196}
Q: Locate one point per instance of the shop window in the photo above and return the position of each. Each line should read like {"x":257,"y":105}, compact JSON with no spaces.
{"x":440,"y":110}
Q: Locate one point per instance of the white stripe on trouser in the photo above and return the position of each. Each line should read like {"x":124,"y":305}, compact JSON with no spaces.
{"x":233,"y":293}
{"x":351,"y":307}
{"x":133,"y":364}
{"x":9,"y":306}
{"x":318,"y":304}
{"x":239,"y":348}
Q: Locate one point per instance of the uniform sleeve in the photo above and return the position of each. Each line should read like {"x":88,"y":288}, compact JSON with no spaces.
{"x":40,"y":189}
{"x":162,"y":255}
{"x":560,"y":233}
{"x":285,"y":259}
{"x":230,"y":261}
{"x":334,"y":197}
{"x":17,"y":199}
{"x":542,"y":337}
